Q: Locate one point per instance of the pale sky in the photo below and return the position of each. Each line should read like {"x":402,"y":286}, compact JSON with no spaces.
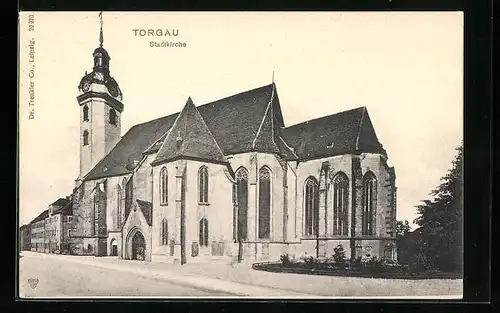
{"x":406,"y":68}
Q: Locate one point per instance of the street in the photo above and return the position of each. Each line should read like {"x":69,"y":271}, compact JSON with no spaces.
{"x":52,"y":277}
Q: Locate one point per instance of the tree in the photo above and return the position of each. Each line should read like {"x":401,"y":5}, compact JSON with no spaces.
{"x":402,"y":228}
{"x":440,"y":219}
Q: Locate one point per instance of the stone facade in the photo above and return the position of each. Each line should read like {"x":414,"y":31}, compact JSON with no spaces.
{"x":227,"y":180}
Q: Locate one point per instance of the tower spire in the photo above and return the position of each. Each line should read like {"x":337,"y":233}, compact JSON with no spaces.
{"x":101,"y":36}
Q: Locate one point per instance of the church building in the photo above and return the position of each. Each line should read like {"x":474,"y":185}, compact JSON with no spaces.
{"x":227,"y":180}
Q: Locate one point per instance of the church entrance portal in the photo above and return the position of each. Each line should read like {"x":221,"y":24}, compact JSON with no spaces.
{"x":114,"y":248}
{"x":138,"y":246}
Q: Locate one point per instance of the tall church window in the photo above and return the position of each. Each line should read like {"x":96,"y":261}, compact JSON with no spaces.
{"x":112,"y":117}
{"x":369,"y":203}
{"x":85,"y":137}
{"x":128,"y":196}
{"x":340,"y":202}
{"x":119,"y":206}
{"x":164,"y":186}
{"x":203,"y":232}
{"x":264,"y":203}
{"x":311,"y":207}
{"x":203,"y":185}
{"x":242,"y":198}
{"x":164,"y":232}
{"x":85,"y":113}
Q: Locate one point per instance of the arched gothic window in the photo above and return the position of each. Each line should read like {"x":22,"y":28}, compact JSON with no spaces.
{"x":203,"y":185}
{"x":369,"y":202}
{"x":264,"y":203}
{"x":340,"y":203}
{"x":311,"y":207}
{"x":242,"y":198}
{"x":164,"y":232}
{"x":164,"y":186}
{"x":85,"y":137}
{"x":203,"y":232}
{"x":118,"y":206}
{"x":85,"y":113}
{"x":112,"y":117}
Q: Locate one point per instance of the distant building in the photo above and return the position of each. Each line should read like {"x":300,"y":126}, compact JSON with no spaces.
{"x":50,"y":230}
{"x":25,"y":238}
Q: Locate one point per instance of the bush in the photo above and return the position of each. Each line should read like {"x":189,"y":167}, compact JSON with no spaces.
{"x":338,"y":257}
{"x":285,"y":259}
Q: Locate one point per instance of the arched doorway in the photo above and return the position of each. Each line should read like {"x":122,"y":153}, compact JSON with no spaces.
{"x":114,"y":248}
{"x":138,"y":247}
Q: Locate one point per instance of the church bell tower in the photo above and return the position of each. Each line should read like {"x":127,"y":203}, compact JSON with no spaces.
{"x":100,"y":102}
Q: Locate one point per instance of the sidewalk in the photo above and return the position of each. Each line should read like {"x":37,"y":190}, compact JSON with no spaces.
{"x":177,"y":275}
{"x":241,"y":280}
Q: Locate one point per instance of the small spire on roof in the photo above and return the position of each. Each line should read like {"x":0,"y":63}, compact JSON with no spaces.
{"x":101,"y":36}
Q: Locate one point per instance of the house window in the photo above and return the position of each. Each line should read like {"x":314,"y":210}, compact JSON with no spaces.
{"x":164,"y":232}
{"x":85,"y":137}
{"x":369,"y":202}
{"x":203,"y":232}
{"x":85,"y":113}
{"x":340,"y":202}
{"x":242,"y":201}
{"x":164,"y":186}
{"x":264,"y":203}
{"x":311,"y":207}
{"x":112,"y":117}
{"x":203,"y":185}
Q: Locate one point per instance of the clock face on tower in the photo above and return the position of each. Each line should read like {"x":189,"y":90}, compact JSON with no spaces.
{"x":86,"y":86}
{"x":113,"y":91}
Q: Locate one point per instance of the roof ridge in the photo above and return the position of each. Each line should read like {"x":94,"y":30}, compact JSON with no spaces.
{"x":360,"y":127}
{"x":263,"y":119}
{"x":324,"y":116}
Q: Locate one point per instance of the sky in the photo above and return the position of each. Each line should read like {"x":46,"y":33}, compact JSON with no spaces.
{"x":406,"y":68}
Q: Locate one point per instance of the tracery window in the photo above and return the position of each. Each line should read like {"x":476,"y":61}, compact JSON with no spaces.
{"x":164,"y":186}
{"x":164,"y":232}
{"x":203,"y":233}
{"x":311,"y":206}
{"x":203,"y":185}
{"x":369,"y":203}
{"x":242,"y":198}
{"x":340,"y":203}
{"x":264,"y":203}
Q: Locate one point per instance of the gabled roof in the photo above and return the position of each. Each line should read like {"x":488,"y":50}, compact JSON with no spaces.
{"x":346,"y":132}
{"x":190,"y":138}
{"x":147,"y":210}
{"x":233,"y":122}
{"x":61,"y":202}
{"x":41,"y":217}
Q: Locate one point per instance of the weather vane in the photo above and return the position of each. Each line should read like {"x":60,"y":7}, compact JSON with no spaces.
{"x":101,"y":37}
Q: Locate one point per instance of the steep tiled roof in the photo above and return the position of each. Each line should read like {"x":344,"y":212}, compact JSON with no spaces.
{"x":233,"y":121}
{"x":146,"y":209}
{"x":190,"y":138}
{"x":61,"y":202}
{"x":346,"y":132}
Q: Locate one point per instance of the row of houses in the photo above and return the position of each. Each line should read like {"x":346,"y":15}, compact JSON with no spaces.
{"x":50,"y":231}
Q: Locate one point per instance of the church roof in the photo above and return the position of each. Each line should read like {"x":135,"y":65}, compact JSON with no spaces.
{"x":146,"y":209}
{"x":246,"y":122}
{"x":345,"y":132}
{"x":233,"y":121}
{"x":190,"y":138}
